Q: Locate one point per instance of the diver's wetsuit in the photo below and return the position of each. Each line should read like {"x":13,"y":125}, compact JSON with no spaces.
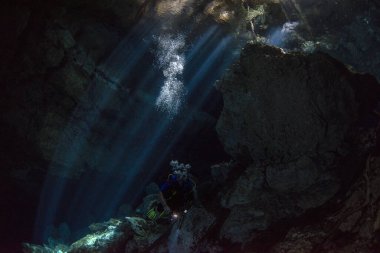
{"x":178,"y":194}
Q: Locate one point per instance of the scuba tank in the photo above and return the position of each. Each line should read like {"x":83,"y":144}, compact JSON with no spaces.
{"x":155,"y":212}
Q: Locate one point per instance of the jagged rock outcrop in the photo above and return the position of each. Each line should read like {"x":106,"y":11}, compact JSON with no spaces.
{"x":193,"y":230}
{"x":295,"y":118}
{"x":136,"y":234}
{"x":353,"y":226}
{"x":130,"y":234}
{"x":350,"y":28}
{"x":110,"y":237}
{"x":345,"y":29}
{"x":269,"y":91}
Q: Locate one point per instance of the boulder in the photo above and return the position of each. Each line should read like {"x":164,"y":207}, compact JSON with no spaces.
{"x":196,"y":224}
{"x":267,"y":94}
{"x":111,"y":239}
{"x":133,"y":234}
{"x":243,"y":222}
{"x":296,"y":119}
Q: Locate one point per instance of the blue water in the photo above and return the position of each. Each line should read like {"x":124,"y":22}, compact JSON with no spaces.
{"x":125,"y":149}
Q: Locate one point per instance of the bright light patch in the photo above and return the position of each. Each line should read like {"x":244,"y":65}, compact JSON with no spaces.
{"x":280,"y":35}
{"x":225,"y":16}
{"x":173,"y":7}
{"x":171,"y":61}
{"x":289,"y":27}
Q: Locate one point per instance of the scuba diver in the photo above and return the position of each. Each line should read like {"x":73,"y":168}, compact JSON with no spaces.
{"x":175,"y":197}
{"x":177,"y":193}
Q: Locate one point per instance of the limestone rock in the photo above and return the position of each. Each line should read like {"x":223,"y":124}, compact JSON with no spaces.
{"x":267,"y":93}
{"x":243,"y":222}
{"x":292,"y":118}
{"x":246,"y":188}
{"x":220,"y":172}
{"x":112,"y":239}
{"x":30,"y":248}
{"x":195,"y":226}
{"x":349,"y":27}
{"x":299,"y":241}
{"x":145,"y":233}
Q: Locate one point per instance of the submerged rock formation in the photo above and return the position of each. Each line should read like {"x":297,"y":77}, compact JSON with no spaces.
{"x":352,"y":226}
{"x":298,"y":120}
{"x":278,"y":107}
{"x":348,"y":29}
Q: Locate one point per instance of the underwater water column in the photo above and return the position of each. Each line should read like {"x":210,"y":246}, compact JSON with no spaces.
{"x":74,"y":140}
{"x":168,"y":74}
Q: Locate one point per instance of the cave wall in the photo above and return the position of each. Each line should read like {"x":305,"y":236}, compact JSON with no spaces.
{"x":49,"y":57}
{"x":299,"y":121}
{"x":347,"y":30}
{"x":49,"y":53}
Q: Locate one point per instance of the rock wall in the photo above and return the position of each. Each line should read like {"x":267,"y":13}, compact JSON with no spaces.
{"x":346,"y":29}
{"x":352,"y":227}
{"x":49,"y":52}
{"x":55,"y":48}
{"x":298,"y":121}
{"x":350,"y":28}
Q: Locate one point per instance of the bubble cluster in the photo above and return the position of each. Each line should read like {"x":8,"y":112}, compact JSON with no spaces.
{"x":171,"y":61}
